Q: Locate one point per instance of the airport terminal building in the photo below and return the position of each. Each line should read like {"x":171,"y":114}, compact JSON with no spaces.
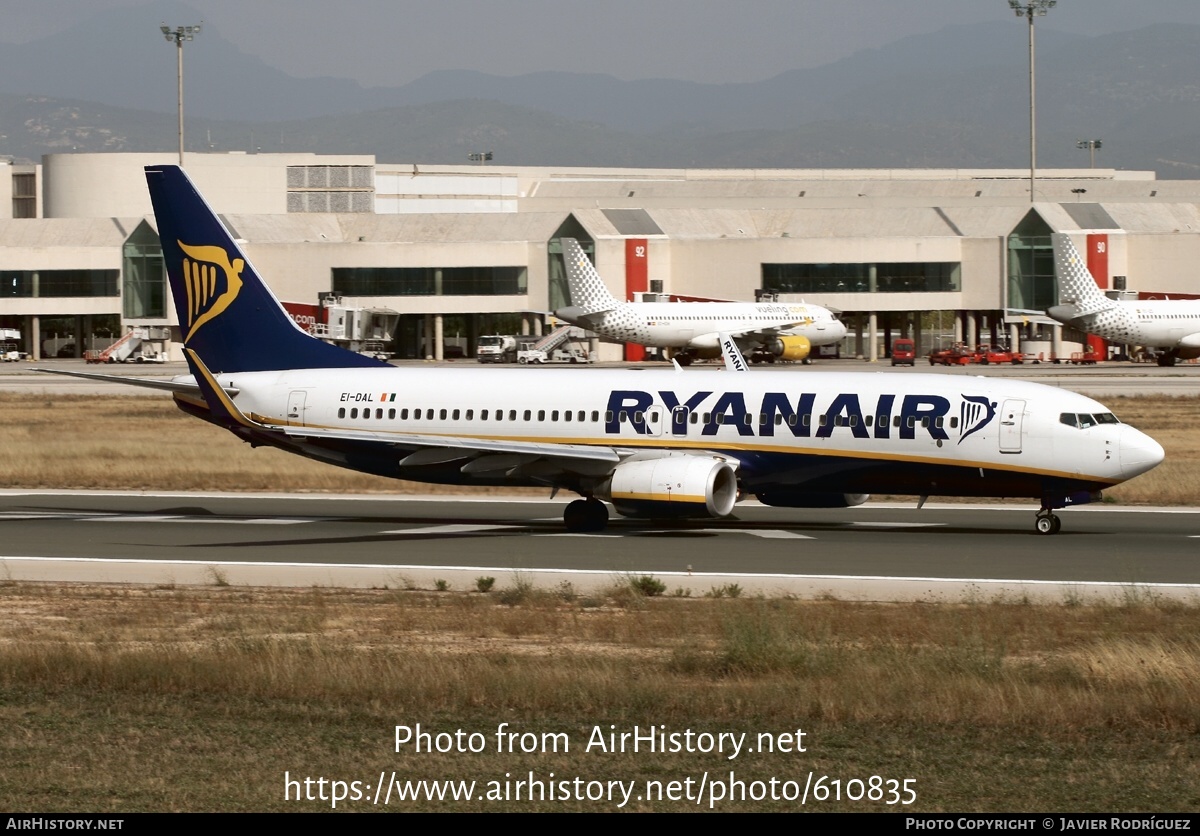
{"x":455,"y":252}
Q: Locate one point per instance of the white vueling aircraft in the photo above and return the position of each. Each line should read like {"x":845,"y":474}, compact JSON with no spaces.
{"x":653,"y":443}
{"x":786,"y":330}
{"x":1170,"y":324}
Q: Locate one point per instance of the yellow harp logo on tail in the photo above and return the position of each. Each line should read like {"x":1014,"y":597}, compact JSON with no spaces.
{"x":212,"y":283}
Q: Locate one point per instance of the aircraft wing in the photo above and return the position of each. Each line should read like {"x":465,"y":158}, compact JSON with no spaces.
{"x":182,"y":385}
{"x":482,"y":445}
{"x":762,"y":335}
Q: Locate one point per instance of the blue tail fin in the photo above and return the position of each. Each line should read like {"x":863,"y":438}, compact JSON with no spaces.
{"x":228,"y":316}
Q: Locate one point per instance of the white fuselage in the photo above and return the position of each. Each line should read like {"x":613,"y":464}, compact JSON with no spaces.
{"x":781,"y":429}
{"x":697,"y":324}
{"x":1157,"y":323}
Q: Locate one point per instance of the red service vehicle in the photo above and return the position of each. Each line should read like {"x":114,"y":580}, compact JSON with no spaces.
{"x":904,"y":352}
{"x":958,"y":355}
{"x":993,"y":354}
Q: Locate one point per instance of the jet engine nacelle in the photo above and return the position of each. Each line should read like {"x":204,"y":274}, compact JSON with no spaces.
{"x":797,"y":499}
{"x":674,"y":486}
{"x":790,"y":348}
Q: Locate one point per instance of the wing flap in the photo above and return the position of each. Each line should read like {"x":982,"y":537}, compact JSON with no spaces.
{"x":481,"y":445}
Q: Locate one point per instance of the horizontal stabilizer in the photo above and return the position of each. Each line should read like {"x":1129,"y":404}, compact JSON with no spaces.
{"x":184,"y":385}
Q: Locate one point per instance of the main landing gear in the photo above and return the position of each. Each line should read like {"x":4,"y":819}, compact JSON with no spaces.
{"x":586,"y":515}
{"x":1047,"y":522}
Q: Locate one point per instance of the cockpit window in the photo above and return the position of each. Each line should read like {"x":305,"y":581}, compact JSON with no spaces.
{"x":1083,"y":420}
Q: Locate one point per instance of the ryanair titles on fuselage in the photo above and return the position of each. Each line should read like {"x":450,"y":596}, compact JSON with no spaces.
{"x":889,"y":416}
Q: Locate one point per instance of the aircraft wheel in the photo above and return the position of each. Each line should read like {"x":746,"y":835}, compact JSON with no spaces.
{"x":1166,"y":360}
{"x":575,"y":515}
{"x":684,"y":359}
{"x":586,"y":515}
{"x":1048,"y":524}
{"x":597,"y":513}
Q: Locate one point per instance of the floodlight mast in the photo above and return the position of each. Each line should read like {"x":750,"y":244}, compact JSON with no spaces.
{"x":1091,"y":145}
{"x":1031,"y":9}
{"x":178,"y":35}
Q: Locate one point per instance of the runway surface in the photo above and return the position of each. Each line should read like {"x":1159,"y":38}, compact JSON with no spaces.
{"x":872,"y":552}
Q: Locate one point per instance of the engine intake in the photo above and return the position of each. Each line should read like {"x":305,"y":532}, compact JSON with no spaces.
{"x":674,"y":486}
{"x":790,"y":348}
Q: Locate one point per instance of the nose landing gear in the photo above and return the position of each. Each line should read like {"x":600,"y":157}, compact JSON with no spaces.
{"x":1047,"y":522}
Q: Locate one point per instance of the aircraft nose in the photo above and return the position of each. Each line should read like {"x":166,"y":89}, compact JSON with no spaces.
{"x":1139,"y":453}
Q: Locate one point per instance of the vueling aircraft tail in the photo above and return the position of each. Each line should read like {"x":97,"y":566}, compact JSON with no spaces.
{"x":1078,"y":294}
{"x":589,"y":294}
{"x":227,"y":315}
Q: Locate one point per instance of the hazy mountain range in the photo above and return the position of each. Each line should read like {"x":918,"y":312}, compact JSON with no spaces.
{"x":957,"y":97}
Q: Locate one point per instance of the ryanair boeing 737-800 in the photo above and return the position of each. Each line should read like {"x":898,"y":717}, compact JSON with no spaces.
{"x":655,"y":444}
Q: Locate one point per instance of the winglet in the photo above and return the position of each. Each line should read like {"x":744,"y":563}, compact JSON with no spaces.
{"x":734,"y":361}
{"x":219,"y":403}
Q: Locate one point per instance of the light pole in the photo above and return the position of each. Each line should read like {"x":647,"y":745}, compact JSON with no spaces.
{"x":480,"y":157}
{"x":1091,"y":145}
{"x":180,"y":34}
{"x":1031,"y":9}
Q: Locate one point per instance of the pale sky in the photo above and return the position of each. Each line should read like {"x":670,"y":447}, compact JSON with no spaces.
{"x":391,"y":42}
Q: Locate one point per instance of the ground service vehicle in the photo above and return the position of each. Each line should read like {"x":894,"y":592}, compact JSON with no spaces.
{"x":904,"y":352}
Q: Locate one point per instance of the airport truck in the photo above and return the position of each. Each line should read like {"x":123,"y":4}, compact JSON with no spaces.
{"x":496,"y":348}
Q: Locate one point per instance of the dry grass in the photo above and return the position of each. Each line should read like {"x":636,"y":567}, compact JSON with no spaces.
{"x":201,"y":699}
{"x":140,"y":443}
{"x":145,"y":443}
{"x":1172,"y":423}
